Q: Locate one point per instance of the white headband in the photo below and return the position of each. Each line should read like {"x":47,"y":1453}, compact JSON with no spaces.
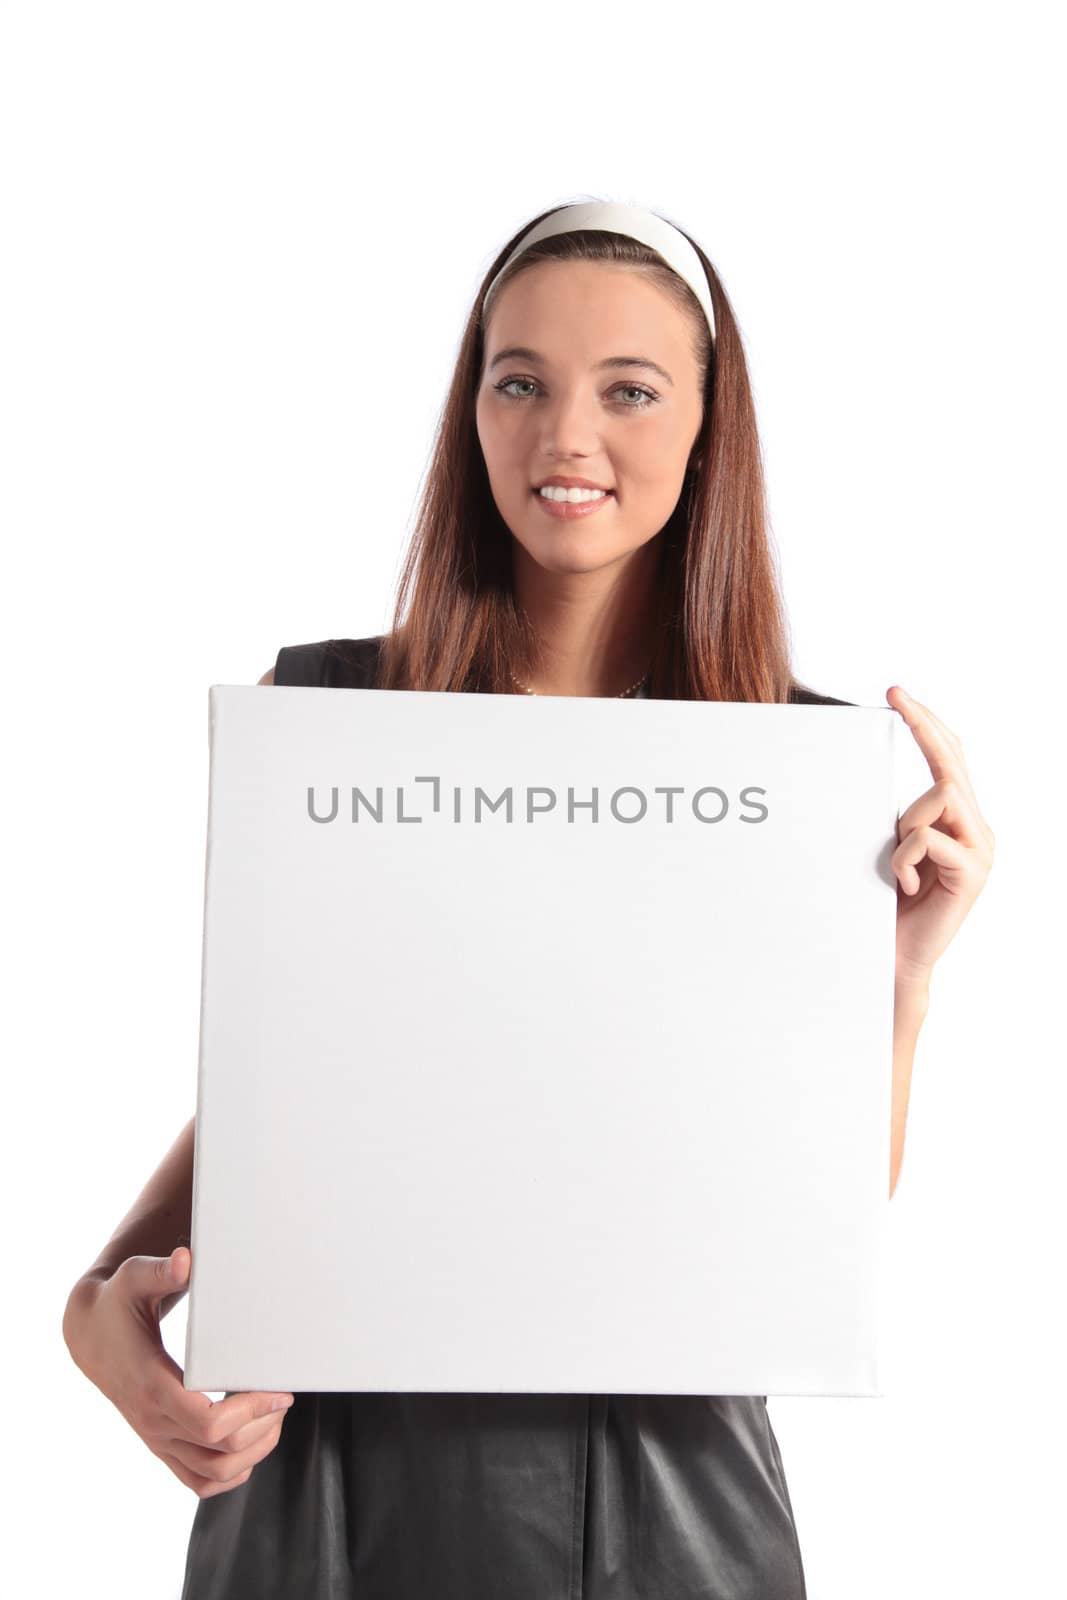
{"x":605,"y":216}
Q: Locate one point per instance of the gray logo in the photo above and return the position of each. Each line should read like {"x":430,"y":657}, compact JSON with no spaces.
{"x":626,"y":804}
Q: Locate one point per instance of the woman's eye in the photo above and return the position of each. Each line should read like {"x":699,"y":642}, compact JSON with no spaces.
{"x":649,"y":397}
{"x":636,"y":388}
{"x":505,"y":385}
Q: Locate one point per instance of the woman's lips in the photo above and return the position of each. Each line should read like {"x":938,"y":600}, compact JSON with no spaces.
{"x":567,"y":510}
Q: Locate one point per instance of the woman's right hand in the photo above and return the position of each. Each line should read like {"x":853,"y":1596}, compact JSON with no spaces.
{"x":112,"y":1332}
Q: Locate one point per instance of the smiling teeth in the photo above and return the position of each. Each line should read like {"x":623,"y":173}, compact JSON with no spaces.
{"x":554,"y":491}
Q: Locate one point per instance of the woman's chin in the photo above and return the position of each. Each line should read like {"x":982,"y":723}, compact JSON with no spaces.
{"x":565,"y":547}
{"x":567,"y":557}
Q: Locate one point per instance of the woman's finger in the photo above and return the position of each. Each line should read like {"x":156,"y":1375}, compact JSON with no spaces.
{"x":938,"y":743}
{"x":222,"y":1466}
{"x":244,"y":1438}
{"x":952,"y":857}
{"x":205,"y":1422}
{"x":951,"y":808}
{"x":204,"y":1487}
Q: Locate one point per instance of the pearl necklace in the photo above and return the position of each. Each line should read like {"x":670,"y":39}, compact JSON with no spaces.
{"x":621,"y":696}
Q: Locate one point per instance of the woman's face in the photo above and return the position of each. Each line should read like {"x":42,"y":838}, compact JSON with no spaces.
{"x":566,"y":389}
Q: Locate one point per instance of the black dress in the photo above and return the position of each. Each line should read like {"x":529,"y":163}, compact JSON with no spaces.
{"x":385,"y":1496}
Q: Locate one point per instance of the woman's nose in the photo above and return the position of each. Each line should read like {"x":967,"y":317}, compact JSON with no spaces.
{"x":570,"y":426}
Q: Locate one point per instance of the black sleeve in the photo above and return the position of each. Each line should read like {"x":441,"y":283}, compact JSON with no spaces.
{"x":300,"y":664}
{"x":801,"y":695}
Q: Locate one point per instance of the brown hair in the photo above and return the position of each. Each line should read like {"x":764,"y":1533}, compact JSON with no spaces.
{"x":721,"y":631}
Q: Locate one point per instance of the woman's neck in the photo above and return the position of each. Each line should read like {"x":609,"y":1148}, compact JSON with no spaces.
{"x":595,"y":628}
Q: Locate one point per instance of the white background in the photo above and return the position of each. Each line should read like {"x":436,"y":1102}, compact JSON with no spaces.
{"x":239,"y":245}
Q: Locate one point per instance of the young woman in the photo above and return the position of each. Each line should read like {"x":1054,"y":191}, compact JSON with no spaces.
{"x":593,"y":524}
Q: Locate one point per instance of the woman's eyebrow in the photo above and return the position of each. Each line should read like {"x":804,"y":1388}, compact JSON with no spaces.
{"x":521,"y":352}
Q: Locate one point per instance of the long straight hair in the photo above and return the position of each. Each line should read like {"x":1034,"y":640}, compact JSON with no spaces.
{"x":720,"y":630}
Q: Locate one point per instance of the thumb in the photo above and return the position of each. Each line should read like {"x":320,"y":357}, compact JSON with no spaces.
{"x":177,"y":1264}
{"x":167,"y":1273}
{"x":155,"y":1281}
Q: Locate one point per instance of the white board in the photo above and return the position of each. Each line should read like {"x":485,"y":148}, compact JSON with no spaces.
{"x":555,"y":1103}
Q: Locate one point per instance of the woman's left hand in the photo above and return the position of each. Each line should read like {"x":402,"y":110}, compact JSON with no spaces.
{"x":945,"y":851}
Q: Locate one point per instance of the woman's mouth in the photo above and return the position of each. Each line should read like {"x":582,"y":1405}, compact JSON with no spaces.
{"x":567,"y":510}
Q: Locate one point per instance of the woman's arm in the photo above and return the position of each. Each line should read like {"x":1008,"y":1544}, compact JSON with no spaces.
{"x":910,"y":1003}
{"x":942,"y":861}
{"x":111,"y":1328}
{"x":159,"y":1220}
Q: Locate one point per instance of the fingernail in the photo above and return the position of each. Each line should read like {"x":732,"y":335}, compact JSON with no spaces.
{"x":282,"y":1404}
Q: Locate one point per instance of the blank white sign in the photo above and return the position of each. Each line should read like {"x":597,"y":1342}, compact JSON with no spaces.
{"x":545,"y":1099}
